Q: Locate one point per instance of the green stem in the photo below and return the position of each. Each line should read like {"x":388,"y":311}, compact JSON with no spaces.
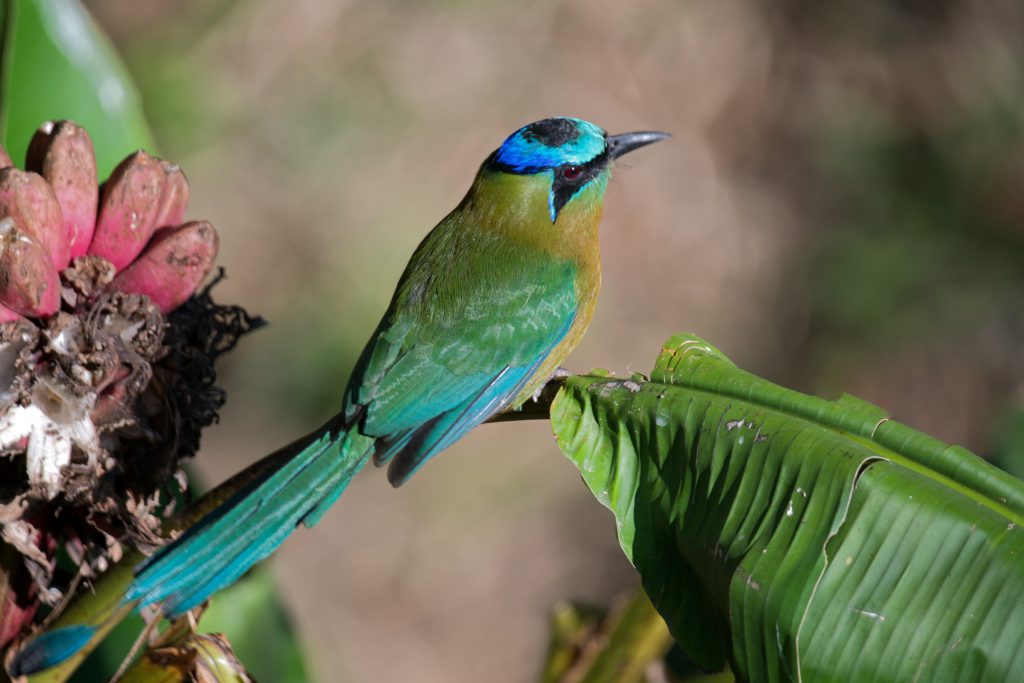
{"x":638,"y":638}
{"x":619,"y":650}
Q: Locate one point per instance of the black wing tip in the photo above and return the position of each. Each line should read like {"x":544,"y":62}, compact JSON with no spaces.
{"x":401,"y":469}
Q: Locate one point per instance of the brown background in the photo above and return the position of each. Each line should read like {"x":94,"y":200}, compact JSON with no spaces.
{"x":840,"y":209}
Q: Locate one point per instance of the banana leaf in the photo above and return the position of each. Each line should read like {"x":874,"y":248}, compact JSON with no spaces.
{"x":800,"y":539}
{"x":55,"y":63}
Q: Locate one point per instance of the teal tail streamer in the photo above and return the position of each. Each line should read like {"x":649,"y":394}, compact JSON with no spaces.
{"x":249,"y":526}
{"x":49,"y":649}
{"x":217,"y":550}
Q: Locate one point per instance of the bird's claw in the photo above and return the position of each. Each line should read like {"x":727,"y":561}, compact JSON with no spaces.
{"x":559,"y":373}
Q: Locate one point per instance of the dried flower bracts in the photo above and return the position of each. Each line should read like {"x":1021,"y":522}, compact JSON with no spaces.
{"x":104,"y":385}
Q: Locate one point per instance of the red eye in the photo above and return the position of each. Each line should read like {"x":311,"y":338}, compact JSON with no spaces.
{"x":572,"y":173}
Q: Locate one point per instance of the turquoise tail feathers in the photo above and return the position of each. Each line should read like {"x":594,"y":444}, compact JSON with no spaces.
{"x":249,"y":526}
{"x":49,"y":649}
{"x":225,"y":543}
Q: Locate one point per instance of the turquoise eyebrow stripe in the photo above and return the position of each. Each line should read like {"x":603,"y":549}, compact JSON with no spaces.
{"x":521,"y":151}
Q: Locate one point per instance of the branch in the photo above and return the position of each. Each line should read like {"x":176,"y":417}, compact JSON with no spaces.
{"x":538,"y":407}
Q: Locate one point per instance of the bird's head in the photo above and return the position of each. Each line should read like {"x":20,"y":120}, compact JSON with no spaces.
{"x":567,"y":159}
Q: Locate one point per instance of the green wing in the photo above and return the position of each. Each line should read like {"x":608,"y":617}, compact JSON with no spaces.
{"x":471,"y":320}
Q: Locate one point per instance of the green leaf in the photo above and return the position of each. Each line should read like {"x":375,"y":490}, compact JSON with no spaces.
{"x":799,"y":538}
{"x":57,"y":64}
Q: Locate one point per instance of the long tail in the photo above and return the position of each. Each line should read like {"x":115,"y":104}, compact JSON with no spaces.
{"x":296,"y":485}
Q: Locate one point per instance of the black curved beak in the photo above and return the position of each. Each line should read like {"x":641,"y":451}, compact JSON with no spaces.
{"x":625,"y":143}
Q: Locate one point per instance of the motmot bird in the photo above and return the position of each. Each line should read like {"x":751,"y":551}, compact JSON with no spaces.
{"x":491,"y":302}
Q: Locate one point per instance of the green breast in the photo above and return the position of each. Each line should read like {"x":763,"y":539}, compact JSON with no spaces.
{"x":495,"y":284}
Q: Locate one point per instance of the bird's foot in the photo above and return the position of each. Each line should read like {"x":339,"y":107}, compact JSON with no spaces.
{"x":559,"y":373}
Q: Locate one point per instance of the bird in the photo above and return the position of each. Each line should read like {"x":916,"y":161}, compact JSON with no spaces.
{"x":491,"y":302}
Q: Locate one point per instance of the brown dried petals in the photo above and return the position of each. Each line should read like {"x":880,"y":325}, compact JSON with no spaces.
{"x":86,"y":279}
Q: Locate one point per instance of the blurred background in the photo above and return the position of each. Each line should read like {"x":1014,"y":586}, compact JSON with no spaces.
{"x":841,"y":209}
